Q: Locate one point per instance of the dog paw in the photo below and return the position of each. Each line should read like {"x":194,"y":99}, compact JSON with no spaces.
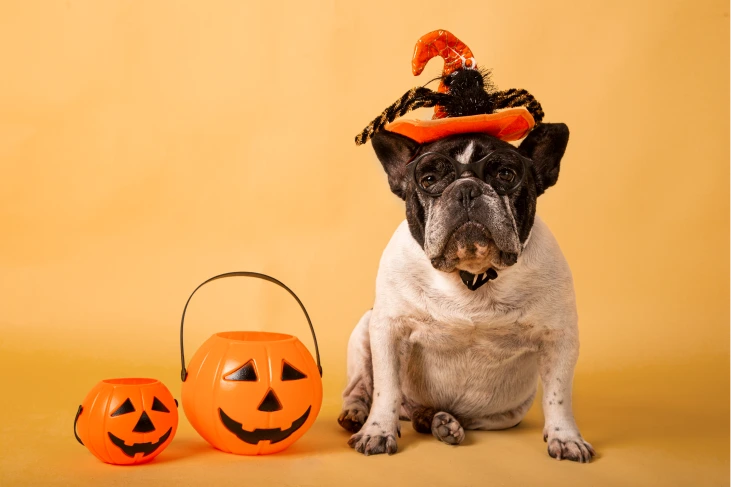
{"x":447,"y":429}
{"x":372,"y":440}
{"x":569,"y":447}
{"x":352,"y":419}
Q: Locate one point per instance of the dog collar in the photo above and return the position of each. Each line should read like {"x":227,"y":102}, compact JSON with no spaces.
{"x":473,"y":282}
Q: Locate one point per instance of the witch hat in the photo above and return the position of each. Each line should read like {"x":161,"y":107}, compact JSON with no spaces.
{"x":465,"y":102}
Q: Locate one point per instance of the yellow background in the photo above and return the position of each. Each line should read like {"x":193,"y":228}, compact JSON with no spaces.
{"x":146,"y":146}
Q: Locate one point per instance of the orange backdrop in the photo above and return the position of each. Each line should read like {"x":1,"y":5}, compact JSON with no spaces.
{"x":146,"y":146}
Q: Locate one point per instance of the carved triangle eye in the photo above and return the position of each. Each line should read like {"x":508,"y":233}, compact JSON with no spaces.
{"x":125,"y":408}
{"x":157,"y":405}
{"x":246,"y":373}
{"x":290,"y":373}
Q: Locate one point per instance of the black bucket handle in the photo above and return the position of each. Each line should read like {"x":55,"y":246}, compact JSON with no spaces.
{"x":76,"y":420}
{"x":184,"y":372}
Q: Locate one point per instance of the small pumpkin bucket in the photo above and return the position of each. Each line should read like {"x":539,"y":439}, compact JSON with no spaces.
{"x":251,"y":392}
{"x":127,"y":421}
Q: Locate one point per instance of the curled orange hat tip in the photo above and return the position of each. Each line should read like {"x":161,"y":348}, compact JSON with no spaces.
{"x":442,"y":43}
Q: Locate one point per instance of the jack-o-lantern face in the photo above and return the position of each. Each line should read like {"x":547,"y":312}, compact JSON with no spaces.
{"x":266,"y":393}
{"x":269,"y":403}
{"x":128,"y":421}
{"x":143,"y":425}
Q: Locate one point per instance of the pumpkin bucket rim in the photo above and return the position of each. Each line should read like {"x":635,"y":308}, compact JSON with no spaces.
{"x":255,"y":336}
{"x":131,"y":381}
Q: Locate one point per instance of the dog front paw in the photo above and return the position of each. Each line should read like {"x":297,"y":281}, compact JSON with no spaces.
{"x":373,"y":439}
{"x":352,"y":419}
{"x":568,"y":447}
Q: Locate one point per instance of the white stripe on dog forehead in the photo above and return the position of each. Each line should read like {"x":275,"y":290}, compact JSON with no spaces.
{"x":465,"y":156}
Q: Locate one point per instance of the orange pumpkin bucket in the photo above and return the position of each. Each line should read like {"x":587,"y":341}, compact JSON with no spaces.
{"x":249,"y":392}
{"x":127,"y":421}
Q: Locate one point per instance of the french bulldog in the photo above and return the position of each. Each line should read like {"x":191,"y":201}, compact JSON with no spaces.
{"x":474,"y":299}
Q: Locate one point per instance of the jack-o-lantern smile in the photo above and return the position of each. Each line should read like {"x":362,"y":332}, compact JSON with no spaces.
{"x":144,"y":448}
{"x":274,"y":435}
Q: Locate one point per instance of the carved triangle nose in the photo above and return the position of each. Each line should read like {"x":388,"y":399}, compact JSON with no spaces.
{"x":144,"y":425}
{"x":270,"y":403}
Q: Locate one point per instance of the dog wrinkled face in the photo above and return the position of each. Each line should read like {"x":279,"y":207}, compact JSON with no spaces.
{"x":470,"y":226}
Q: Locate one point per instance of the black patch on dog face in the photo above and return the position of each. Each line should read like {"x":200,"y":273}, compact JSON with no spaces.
{"x":459,"y":231}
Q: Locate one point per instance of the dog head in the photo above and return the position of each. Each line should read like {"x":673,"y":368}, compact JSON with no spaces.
{"x":470,"y":225}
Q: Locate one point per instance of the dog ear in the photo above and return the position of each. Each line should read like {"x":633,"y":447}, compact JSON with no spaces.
{"x":545,"y":145}
{"x":394,"y":151}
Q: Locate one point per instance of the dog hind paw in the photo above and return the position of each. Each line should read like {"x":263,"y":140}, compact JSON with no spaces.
{"x":447,"y":429}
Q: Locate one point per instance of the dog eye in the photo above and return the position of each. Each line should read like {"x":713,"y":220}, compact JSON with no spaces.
{"x":505,"y":174}
{"x":245,"y":373}
{"x":427,"y":181}
{"x":125,"y":408}
{"x":433,"y":173}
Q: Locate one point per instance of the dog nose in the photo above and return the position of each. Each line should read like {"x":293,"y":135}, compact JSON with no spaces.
{"x":467,"y":191}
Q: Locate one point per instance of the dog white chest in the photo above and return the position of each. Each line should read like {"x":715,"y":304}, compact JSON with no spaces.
{"x":472,"y":352}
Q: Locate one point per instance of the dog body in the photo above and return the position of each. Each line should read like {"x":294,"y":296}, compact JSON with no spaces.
{"x":450,"y":358}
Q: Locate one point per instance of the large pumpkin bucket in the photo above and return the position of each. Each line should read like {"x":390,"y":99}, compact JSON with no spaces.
{"x":251,"y":392}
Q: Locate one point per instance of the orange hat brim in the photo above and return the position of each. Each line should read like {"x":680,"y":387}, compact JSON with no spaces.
{"x":508,"y":125}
